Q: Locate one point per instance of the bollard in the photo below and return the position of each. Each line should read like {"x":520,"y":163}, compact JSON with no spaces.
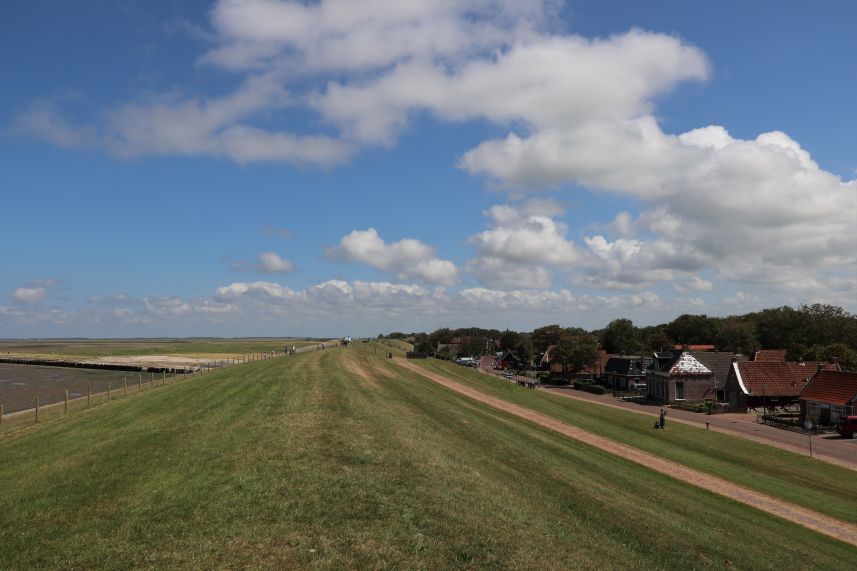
{"x":37,"y":409}
{"x":66,"y":401}
{"x":706,"y":426}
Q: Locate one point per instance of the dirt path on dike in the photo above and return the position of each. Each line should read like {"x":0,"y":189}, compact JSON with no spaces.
{"x":815,"y":521}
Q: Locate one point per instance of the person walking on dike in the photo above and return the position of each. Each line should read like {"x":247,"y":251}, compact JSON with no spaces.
{"x":662,"y":419}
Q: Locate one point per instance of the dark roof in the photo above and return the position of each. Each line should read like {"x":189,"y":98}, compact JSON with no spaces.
{"x":718,"y":362}
{"x":624,"y":365}
{"x":772,"y":378}
{"x":770,"y":355}
{"x":833,"y":387}
{"x":509,"y":355}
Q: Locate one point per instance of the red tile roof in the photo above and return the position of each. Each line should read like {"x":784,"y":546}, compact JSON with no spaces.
{"x":833,"y":387}
{"x":770,"y":355}
{"x":775,"y":379}
{"x":695,"y":347}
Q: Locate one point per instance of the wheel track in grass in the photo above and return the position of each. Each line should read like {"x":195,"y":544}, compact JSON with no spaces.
{"x":832,"y":527}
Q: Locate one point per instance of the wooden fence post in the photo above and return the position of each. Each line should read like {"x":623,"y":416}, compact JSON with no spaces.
{"x":66,"y":401}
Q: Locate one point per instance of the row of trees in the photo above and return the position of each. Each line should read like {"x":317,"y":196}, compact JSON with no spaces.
{"x":810,"y":332}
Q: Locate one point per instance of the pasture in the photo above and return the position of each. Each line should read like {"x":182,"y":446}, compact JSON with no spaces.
{"x":339,"y":459}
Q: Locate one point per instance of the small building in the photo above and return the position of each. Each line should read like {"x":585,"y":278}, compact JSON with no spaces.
{"x":719,"y":363}
{"x":508,"y":360}
{"x":624,"y":372}
{"x":679,"y":378}
{"x":766,"y":384}
{"x":829,"y":397}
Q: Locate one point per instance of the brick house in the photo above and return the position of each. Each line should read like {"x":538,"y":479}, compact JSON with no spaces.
{"x":766,"y":384}
{"x":719,"y":363}
{"x":830,"y":396}
{"x":678,"y":376}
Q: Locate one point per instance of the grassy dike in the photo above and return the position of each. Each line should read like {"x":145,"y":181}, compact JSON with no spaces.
{"x":814,"y":484}
{"x":337,"y":459}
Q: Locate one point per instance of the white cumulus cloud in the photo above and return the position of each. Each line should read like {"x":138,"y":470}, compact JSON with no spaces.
{"x":407,"y":259}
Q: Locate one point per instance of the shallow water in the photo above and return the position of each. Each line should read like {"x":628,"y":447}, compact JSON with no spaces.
{"x":21,"y":384}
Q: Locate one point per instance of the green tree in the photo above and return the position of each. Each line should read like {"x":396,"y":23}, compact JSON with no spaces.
{"x":473,"y":346}
{"x":621,"y":336}
{"x":692,"y":329}
{"x":544,"y":337}
{"x":575,"y":352}
{"x":736,"y":336}
{"x":509,"y":340}
{"x":441,"y":336}
{"x":658,"y":340}
{"x":524,"y":350}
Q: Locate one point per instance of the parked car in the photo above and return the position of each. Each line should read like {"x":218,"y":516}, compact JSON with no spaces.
{"x":848,"y":427}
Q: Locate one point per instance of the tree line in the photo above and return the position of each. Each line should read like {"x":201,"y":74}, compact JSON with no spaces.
{"x":810,"y":332}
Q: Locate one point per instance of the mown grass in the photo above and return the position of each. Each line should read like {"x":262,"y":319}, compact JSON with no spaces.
{"x":89,"y":348}
{"x":337,"y":459}
{"x":799,"y":479}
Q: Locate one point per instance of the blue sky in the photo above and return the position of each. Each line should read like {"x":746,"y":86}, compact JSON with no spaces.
{"x":265,"y":167}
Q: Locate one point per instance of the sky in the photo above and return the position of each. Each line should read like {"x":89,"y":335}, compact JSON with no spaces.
{"x":354,"y":167}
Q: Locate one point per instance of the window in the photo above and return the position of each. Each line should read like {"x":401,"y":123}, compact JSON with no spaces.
{"x":679,"y":390}
{"x":721,"y":395}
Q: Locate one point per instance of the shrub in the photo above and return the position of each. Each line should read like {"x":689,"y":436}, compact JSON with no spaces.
{"x":589,"y":388}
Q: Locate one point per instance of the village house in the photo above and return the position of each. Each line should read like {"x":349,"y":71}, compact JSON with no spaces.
{"x":509,"y":360}
{"x":624,"y":372}
{"x":719,"y":363}
{"x":678,"y":376}
{"x":830,"y":396}
{"x":762,"y":384}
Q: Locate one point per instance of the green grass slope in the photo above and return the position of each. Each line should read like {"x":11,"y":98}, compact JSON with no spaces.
{"x":335,"y":459}
{"x":799,"y":479}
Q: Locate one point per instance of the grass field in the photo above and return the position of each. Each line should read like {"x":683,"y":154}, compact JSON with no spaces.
{"x":337,"y":459}
{"x":71,"y":349}
{"x":797,"y":478}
